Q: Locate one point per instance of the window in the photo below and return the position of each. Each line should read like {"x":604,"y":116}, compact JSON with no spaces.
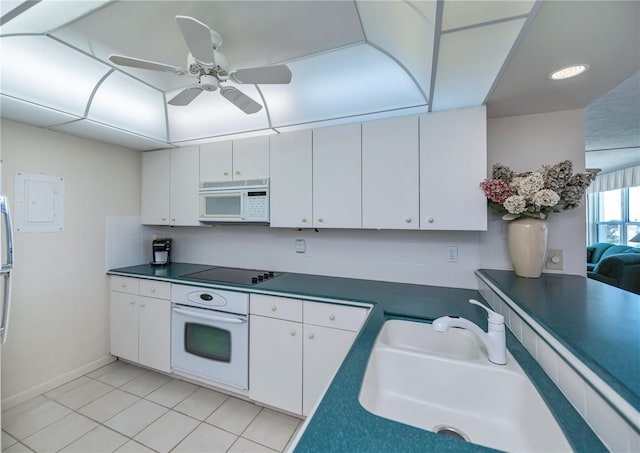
{"x":617,"y":216}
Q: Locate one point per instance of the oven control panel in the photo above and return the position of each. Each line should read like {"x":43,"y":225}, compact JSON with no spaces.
{"x":228,"y":301}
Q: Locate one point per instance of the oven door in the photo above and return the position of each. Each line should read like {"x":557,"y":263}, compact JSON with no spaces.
{"x":210,"y":345}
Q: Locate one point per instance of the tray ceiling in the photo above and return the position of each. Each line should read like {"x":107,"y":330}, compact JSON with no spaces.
{"x":350,"y":61}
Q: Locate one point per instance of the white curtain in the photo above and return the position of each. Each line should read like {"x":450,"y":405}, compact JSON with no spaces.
{"x":629,"y":177}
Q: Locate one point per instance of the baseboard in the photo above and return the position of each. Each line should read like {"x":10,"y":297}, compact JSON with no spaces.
{"x":25,"y":395}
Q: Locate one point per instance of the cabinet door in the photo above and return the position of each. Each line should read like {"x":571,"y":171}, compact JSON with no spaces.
{"x":453,"y":162}
{"x":216,"y":161}
{"x":275,"y":371}
{"x":184,"y":186}
{"x":124,"y":325}
{"x":156,"y":170}
{"x":390,"y":189}
{"x":251,"y":158}
{"x":154,"y":340}
{"x":324,"y":350}
{"x":291,"y":180}
{"x":337,"y":177}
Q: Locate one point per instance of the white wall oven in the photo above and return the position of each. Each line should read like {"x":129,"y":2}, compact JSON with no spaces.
{"x":210,"y":334}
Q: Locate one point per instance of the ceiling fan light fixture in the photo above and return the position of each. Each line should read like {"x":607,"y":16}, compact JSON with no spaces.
{"x":568,"y":72}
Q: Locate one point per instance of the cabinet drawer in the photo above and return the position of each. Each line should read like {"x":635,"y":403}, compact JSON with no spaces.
{"x":153,"y":288}
{"x":332,"y":315}
{"x":125,"y":284}
{"x":276,"y":307}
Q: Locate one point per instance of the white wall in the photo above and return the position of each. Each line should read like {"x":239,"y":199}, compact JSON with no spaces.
{"x":59,"y":314}
{"x":525,"y":143}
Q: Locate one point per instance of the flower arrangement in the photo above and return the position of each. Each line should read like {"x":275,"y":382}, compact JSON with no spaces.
{"x":552,"y":188}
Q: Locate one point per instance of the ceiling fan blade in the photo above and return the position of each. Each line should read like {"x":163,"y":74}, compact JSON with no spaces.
{"x":267,"y":74}
{"x":199,"y":38}
{"x":240,"y":100}
{"x":186,"y":96}
{"x":121,"y":60}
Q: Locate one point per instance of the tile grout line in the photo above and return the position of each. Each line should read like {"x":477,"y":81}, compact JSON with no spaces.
{"x":47,"y":399}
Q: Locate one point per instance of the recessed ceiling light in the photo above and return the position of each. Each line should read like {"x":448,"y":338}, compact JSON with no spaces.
{"x":568,"y":71}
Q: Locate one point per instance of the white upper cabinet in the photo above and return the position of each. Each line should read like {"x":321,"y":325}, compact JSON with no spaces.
{"x":291,"y":180}
{"x":251,"y":158}
{"x":337,"y":177}
{"x":453,"y":162}
{"x":390,"y":174}
{"x":170,"y":187}
{"x":237,"y":160}
{"x":184,"y":186}
{"x":156,"y":170}
{"x":216,"y":161}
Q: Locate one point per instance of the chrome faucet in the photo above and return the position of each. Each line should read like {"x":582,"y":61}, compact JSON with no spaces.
{"x":493,"y":340}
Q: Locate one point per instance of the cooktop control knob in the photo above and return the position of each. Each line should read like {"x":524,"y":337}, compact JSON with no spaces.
{"x":254,"y":280}
{"x":260,"y":278}
{"x":266,"y":275}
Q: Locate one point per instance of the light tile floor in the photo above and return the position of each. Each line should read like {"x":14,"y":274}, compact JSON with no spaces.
{"x":123,"y":408}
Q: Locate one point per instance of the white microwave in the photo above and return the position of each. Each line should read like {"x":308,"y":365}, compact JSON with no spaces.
{"x":234,"y":201}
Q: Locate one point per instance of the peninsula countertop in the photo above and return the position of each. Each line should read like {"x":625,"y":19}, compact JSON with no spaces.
{"x":339,"y":422}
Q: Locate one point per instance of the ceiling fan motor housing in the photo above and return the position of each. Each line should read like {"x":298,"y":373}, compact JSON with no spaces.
{"x":208,"y":83}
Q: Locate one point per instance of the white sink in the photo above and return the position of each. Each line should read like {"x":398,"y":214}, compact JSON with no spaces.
{"x":487,"y":404}
{"x":420,"y":337}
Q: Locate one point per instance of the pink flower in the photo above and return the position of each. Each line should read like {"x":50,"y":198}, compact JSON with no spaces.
{"x":496,"y":190}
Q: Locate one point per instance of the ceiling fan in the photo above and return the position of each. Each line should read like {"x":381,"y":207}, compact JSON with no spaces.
{"x":210,"y":67}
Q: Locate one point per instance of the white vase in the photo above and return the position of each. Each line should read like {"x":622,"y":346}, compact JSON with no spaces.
{"x":527,"y":242}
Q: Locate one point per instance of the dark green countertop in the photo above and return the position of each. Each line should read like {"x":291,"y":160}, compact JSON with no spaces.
{"x":596,"y":322}
{"x":340,"y":423}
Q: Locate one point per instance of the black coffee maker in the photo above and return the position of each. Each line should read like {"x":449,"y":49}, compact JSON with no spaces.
{"x":161,"y":252}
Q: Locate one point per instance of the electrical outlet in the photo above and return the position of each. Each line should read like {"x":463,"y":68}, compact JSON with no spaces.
{"x":452,"y":254}
{"x":554,"y":259}
{"x":301,"y":246}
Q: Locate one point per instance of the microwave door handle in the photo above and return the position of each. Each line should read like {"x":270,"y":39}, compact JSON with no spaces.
{"x":209,"y":317}
{"x":4,"y":209}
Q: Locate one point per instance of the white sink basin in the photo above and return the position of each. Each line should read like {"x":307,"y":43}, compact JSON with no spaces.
{"x":487,"y":404}
{"x":420,"y":337}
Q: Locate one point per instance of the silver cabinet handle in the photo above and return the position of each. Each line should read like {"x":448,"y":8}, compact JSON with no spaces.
{"x":408,"y":220}
{"x":5,"y":270}
{"x":274,"y":308}
{"x":332,"y":317}
{"x":292,"y":333}
{"x":6,"y":302}
{"x":430,"y":220}
{"x":4,"y":209}
{"x":311,"y":336}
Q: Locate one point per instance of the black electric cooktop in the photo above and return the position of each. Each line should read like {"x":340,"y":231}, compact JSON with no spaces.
{"x":233,"y":275}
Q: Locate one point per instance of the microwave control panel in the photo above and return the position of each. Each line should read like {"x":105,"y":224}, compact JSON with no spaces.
{"x":257,"y":205}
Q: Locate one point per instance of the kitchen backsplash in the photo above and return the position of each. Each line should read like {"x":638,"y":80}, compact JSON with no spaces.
{"x":402,"y":256}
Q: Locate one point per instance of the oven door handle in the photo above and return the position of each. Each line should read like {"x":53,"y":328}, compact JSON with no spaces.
{"x":209,"y":317}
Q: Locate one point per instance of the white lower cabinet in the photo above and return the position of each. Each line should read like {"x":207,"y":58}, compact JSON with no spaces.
{"x":141,"y":325}
{"x":275,"y":362}
{"x":324,"y":350}
{"x":295,"y":349}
